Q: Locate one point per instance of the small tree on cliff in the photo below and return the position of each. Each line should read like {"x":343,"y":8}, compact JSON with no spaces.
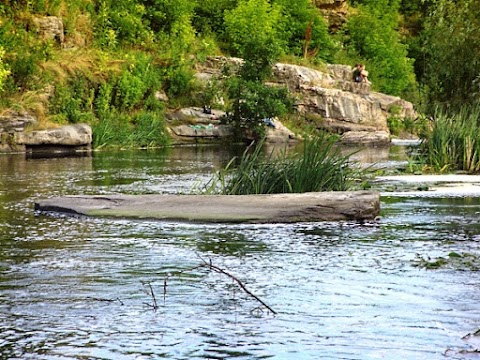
{"x":251,"y":28}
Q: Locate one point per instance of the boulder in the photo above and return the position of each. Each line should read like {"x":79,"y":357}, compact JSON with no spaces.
{"x":377,"y":138}
{"x":195,"y":132}
{"x":196,"y":115}
{"x":50,"y":28}
{"x":202,"y":125}
{"x":13,"y":123}
{"x":69,"y":135}
{"x":279,"y":134}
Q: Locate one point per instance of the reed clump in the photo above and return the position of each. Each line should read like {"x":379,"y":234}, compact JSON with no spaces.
{"x":319,"y":167}
{"x":453,"y":142}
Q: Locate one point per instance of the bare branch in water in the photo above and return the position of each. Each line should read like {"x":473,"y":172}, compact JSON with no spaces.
{"x":219,"y":270}
{"x":154,"y":304}
{"x":106,"y":300}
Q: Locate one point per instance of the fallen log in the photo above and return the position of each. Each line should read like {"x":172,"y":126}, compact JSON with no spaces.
{"x":276,"y":208}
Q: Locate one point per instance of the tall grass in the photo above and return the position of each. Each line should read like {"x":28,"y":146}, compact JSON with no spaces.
{"x":142,"y":130}
{"x":453,"y":144}
{"x":319,"y":167}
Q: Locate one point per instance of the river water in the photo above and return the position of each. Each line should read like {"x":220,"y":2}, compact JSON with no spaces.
{"x":81,"y":288}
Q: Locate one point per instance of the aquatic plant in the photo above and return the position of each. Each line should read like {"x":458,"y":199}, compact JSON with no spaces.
{"x":319,"y":167}
{"x":453,"y":143}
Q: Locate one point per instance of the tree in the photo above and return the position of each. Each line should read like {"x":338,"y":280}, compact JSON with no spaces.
{"x":451,"y":44}
{"x":253,"y":25}
{"x":258,"y":44}
{"x":208,"y":16}
{"x":372,"y":34}
{"x":299,"y":20}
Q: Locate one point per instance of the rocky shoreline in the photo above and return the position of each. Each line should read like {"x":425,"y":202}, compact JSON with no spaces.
{"x":330,"y":98}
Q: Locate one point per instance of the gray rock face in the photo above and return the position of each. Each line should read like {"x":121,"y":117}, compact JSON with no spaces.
{"x":69,"y":135}
{"x":330,"y":95}
{"x":50,"y":28}
{"x":11,"y":125}
{"x":343,"y":104}
{"x":15,"y":122}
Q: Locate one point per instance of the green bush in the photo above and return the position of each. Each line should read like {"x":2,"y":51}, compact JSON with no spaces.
{"x":251,"y":26}
{"x":121,"y":21}
{"x":139,"y":80}
{"x":179,"y":79}
{"x":103,"y":101}
{"x":129,"y":91}
{"x":23,"y":54}
{"x":450,"y":48}
{"x":73,"y":102}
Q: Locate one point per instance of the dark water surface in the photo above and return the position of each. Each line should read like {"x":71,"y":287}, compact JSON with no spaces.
{"x":74,"y":288}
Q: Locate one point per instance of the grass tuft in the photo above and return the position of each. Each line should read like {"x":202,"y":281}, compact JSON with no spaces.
{"x":453,"y":143}
{"x":319,"y":167}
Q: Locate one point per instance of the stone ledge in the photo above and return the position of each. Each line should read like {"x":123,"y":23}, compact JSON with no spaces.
{"x":276,"y":208}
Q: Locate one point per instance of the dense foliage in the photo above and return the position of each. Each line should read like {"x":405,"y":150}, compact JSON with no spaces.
{"x":118,"y":54}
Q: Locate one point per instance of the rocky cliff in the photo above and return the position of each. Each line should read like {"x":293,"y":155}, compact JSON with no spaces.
{"x":330,"y":96}
{"x":334,"y":11}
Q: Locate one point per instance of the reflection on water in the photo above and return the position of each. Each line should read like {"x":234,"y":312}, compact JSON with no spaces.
{"x":70,"y":287}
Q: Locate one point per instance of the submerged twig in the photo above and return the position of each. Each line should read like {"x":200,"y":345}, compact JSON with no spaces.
{"x":208,"y":264}
{"x":154,"y":304}
{"x":242,"y":286}
{"x":106,"y":300}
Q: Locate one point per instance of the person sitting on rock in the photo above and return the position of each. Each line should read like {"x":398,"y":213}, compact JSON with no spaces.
{"x":357,"y":76}
{"x":360,"y":74}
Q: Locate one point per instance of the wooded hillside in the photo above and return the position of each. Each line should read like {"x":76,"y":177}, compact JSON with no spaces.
{"x":98,"y":60}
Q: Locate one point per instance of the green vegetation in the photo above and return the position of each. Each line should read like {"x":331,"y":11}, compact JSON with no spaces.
{"x":372,"y":34}
{"x":453,"y":142}
{"x":114,"y":57}
{"x":320,"y":167}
